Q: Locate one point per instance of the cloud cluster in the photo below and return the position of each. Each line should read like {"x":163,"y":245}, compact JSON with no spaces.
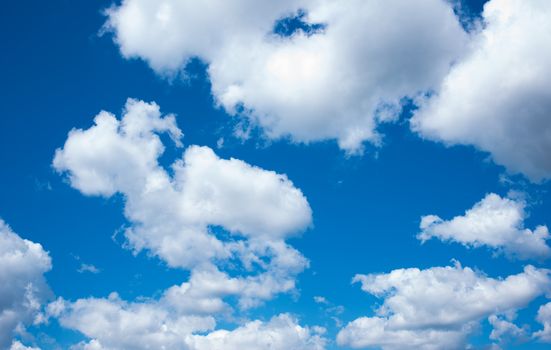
{"x":346,"y":70}
{"x":23,"y":289}
{"x":281,"y":333}
{"x":437,"y":308}
{"x":498,"y":97}
{"x":495,"y":222}
{"x":176,"y":215}
{"x":349,"y":66}
{"x":334,"y":82}
{"x":223,"y":219}
{"x":113,"y":324}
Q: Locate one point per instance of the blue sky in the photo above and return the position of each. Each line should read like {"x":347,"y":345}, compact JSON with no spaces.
{"x":375,"y":127}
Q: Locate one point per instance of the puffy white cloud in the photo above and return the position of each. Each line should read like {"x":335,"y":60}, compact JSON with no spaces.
{"x":498,"y":98}
{"x":503,"y":328}
{"x":23,"y":288}
{"x":280,"y":333}
{"x":438,"y":307}
{"x":335,"y":83}
{"x":495,"y":222}
{"x":176,"y":216}
{"x":115,"y":155}
{"x":113,"y":324}
{"x":16,"y":345}
{"x":544,"y":317}
{"x":368,"y":332}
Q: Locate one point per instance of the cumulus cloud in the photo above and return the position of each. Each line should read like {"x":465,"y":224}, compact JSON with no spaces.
{"x":177,"y":215}
{"x":23,"y":288}
{"x":544,"y":317}
{"x":280,"y":333}
{"x":495,"y":222}
{"x":368,"y":332}
{"x":16,"y":345}
{"x":503,"y":328}
{"x":498,"y":97}
{"x":438,"y":307}
{"x":335,"y":82}
{"x":113,"y":324}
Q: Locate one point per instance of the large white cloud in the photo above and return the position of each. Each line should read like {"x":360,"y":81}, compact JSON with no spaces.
{"x":23,"y":288}
{"x":544,"y":317}
{"x":495,"y":222}
{"x":498,"y":98}
{"x":113,"y":324}
{"x":116,"y":324}
{"x":280,"y":333}
{"x":335,"y":83}
{"x":438,"y":307}
{"x":175,"y":216}
{"x":370,"y":332}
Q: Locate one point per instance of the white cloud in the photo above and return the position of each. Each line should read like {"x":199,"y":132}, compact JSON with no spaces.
{"x":23,"y":288}
{"x":176,"y":216}
{"x":498,"y":98}
{"x":18,"y":346}
{"x":438,"y":307}
{"x":503,"y":328}
{"x":337,"y":83}
{"x":113,"y":324}
{"x":544,"y":317}
{"x":494,"y":222}
{"x":280,"y":333}
{"x":320,"y":300}
{"x":88,"y":268}
{"x":369,"y":332}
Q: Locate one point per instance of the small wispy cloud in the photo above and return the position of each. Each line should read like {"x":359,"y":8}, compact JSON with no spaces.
{"x":320,"y":300}
{"x":88,"y":268}
{"x":330,"y":309}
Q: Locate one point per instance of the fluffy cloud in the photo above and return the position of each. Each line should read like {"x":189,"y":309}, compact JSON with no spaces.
{"x":23,"y":288}
{"x":544,"y":317}
{"x":113,"y":324}
{"x":494,"y":222}
{"x":280,"y":333}
{"x":336,"y":82}
{"x":176,"y":216}
{"x":18,"y":346}
{"x":368,"y":332}
{"x":438,"y":307}
{"x":503,"y":328}
{"x":498,"y":98}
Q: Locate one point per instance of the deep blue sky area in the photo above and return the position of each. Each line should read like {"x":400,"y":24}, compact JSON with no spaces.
{"x":57,"y":72}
